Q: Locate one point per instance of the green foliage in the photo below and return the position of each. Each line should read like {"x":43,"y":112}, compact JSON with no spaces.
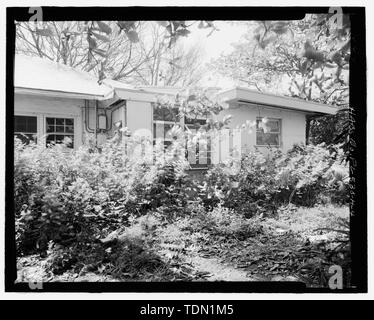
{"x":309,"y":56}
{"x":103,"y":211}
{"x":68,"y":196}
{"x":305,"y":176}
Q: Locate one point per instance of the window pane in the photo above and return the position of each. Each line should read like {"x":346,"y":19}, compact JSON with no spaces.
{"x":50,"y":128}
{"x":270,"y":125}
{"x":25,"y":124}
{"x":69,"y":129}
{"x":31,"y":124}
{"x":273,"y":125}
{"x":165,"y":114}
{"x":59,"y":121}
{"x":51,"y":121}
{"x":158,"y":113}
{"x":59,"y":128}
{"x":20,"y":124}
{"x":267,"y":139}
{"x":260,"y":138}
{"x":59,"y":138}
{"x":69,"y":122}
{"x":171,"y":114}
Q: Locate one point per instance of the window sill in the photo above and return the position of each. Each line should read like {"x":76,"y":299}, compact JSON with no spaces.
{"x":199,"y":168}
{"x":266,"y":146}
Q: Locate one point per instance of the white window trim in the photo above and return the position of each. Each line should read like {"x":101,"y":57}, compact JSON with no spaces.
{"x":27,"y":115}
{"x":41,"y":125}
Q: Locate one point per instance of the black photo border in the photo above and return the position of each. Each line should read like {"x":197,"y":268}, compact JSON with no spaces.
{"x":358,"y":99}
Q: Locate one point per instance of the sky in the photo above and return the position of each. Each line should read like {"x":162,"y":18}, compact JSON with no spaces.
{"x":219,"y":42}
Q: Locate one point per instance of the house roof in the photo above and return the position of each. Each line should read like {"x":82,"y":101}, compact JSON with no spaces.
{"x":41,"y":76}
{"x":245,"y":95}
{"x":34,"y":75}
{"x":128,"y":92}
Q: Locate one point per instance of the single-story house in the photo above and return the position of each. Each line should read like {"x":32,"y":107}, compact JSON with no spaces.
{"x":53,"y":101}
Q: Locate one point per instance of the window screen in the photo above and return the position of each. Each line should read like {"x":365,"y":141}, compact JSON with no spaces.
{"x":25,"y":128}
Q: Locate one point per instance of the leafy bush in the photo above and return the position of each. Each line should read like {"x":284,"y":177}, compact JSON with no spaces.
{"x":68,"y":196}
{"x":312,"y":172}
{"x":261,"y":183}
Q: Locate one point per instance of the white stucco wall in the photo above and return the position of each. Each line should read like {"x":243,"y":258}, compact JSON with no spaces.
{"x":292,"y":124}
{"x":140,"y":120}
{"x":43,"y":106}
{"x":140,"y":117}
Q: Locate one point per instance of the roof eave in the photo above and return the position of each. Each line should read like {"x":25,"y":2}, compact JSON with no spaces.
{"x":137,"y":95}
{"x":244,"y":95}
{"x":63,"y":94}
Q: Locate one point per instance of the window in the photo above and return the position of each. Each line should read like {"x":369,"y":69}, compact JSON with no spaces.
{"x":58,"y":129}
{"x":268,"y":132}
{"x":25,"y":128}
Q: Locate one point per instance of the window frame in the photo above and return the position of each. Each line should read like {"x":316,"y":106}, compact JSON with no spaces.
{"x":59,"y":133}
{"x":279,"y":133}
{"x":41,"y":125}
{"x":26,"y":133}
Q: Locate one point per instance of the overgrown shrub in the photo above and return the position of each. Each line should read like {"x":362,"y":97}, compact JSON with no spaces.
{"x":80,"y":196}
{"x":68,"y":196}
{"x":260,"y":183}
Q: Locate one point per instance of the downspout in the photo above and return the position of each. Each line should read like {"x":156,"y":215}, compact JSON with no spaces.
{"x":125,"y":124}
{"x":110,"y":110}
{"x":86,"y":117}
{"x":96,"y":107}
{"x":308,"y":119}
{"x":125,"y":106}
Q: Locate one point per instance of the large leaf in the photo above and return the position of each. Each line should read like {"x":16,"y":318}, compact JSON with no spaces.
{"x":133,"y":36}
{"x":91,"y":42}
{"x":126,"y":25}
{"x":280,"y":27}
{"x":100,"y":37}
{"x":104,"y":27}
{"x":312,"y":54}
{"x":183,"y":32}
{"x":44,"y":32}
{"x":100,"y":52}
{"x":163,"y":23}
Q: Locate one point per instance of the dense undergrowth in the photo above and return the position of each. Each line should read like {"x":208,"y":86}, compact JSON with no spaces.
{"x":136,"y":218}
